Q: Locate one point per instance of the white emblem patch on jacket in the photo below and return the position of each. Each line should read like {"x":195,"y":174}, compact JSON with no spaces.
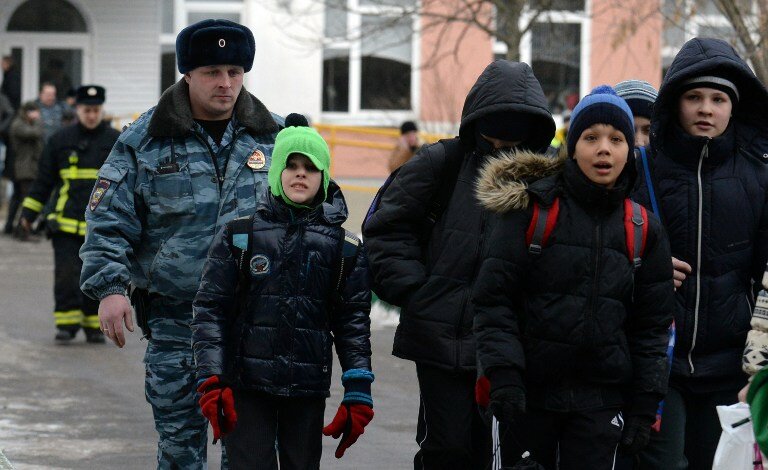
{"x":259,"y":265}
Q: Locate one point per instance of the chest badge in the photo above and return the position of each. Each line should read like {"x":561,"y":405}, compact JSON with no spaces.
{"x":259,"y":265}
{"x":98,"y":193}
{"x":257,"y":160}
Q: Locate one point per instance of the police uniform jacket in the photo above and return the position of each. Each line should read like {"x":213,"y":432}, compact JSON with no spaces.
{"x":280,"y":341}
{"x":713,"y":199}
{"x":164,"y":192}
{"x":577,"y":325}
{"x":68,"y":167}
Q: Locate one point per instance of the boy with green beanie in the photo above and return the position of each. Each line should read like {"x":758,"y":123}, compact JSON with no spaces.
{"x":278,"y":289}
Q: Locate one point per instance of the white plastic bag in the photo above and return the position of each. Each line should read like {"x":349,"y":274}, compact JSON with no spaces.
{"x":737,"y":449}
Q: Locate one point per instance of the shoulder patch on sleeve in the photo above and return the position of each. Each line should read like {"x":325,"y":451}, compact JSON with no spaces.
{"x":102,"y":185}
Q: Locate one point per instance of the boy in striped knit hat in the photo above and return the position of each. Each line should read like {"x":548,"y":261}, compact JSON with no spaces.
{"x":640,"y":96}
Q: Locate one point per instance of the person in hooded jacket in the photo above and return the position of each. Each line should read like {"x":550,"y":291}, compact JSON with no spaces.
{"x":430,"y":275}
{"x":573,"y":336}
{"x":708,"y":155}
{"x":264,"y":356}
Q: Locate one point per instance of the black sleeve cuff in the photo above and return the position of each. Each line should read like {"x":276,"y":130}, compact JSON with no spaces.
{"x":501,"y":377}
{"x":644,"y":405}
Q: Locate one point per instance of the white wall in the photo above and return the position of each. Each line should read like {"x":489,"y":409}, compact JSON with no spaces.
{"x":288,"y":68}
{"x":121,"y":50}
{"x":126,"y":53}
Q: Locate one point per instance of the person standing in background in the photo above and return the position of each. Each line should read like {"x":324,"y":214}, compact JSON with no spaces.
{"x":406,"y":147}
{"x":68,"y":168}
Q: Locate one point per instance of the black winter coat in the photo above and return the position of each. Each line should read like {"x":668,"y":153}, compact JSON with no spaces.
{"x":281,"y":343}
{"x":433,"y":283}
{"x":576,"y":325}
{"x":68,"y":169}
{"x":713,"y":198}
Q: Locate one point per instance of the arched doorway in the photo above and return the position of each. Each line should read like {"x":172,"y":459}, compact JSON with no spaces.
{"x":49,"y":41}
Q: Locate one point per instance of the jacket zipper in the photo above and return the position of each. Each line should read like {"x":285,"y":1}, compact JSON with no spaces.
{"x":704,"y":154}
{"x":219,"y":178}
{"x":465,"y":300}
{"x":595,"y":284}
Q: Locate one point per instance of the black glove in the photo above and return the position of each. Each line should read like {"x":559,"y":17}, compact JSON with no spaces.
{"x":636,"y":434}
{"x":507,"y":403}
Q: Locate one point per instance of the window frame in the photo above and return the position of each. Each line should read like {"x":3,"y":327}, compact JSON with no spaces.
{"x":353,"y":44}
{"x":691,"y":27}
{"x":582,"y":18}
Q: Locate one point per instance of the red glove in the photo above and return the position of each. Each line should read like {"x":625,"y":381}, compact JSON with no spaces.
{"x":483,"y":391}
{"x":349,"y":423}
{"x":218,"y":405}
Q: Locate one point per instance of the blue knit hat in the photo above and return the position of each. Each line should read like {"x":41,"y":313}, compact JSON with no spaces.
{"x":601,"y":106}
{"x":639,"y":95}
{"x":215,"y":42}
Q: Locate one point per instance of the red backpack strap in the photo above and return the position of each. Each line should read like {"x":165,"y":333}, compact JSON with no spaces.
{"x":635,"y":231}
{"x":541,"y":226}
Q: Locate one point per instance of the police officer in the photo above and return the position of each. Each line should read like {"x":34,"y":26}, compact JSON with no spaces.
{"x":68,"y":167}
{"x":176,"y":175}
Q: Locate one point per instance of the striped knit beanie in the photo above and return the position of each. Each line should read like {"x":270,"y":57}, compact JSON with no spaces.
{"x":639,"y":95}
{"x":601,"y":106}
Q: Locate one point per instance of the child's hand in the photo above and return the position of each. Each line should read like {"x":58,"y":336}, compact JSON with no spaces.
{"x":349,"y":423}
{"x":681,"y":270}
{"x":218,"y":406}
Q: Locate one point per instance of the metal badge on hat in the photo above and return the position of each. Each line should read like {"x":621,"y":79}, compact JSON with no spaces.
{"x":257,"y":160}
{"x":91,"y":91}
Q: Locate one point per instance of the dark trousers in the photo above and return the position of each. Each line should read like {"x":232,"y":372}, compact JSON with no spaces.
{"x":72,"y":308}
{"x":690,"y":430}
{"x":268,"y":426}
{"x":564,"y":441}
{"x":451,"y":433}
{"x":14,"y":203}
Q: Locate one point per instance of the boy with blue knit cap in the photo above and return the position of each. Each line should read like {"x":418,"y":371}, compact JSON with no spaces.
{"x":574,"y":297}
{"x":278,"y":289}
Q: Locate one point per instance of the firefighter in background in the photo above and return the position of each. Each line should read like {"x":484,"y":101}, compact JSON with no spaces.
{"x":68,"y":169}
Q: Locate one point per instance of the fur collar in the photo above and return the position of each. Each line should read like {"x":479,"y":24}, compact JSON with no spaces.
{"x":173,"y":115}
{"x":502,"y":184}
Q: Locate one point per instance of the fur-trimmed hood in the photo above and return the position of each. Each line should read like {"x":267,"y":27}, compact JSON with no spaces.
{"x":503,"y":182}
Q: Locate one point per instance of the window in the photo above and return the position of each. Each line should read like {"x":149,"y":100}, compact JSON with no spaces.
{"x":553,"y":49}
{"x":367,"y":61}
{"x":335,"y":80}
{"x":386,"y":63}
{"x":556,"y":61}
{"x":557,"y":5}
{"x":47,"y":16}
{"x":176,"y":15}
{"x":686,"y":19}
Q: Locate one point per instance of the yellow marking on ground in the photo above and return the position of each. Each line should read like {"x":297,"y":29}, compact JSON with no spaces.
{"x":361,"y":189}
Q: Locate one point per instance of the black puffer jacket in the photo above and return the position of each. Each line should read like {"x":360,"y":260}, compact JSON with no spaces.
{"x":712,"y":195}
{"x":433,"y":284}
{"x":576,"y":325}
{"x":282,"y":343}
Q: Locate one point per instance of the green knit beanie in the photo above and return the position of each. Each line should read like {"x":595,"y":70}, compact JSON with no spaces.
{"x":298,"y":138}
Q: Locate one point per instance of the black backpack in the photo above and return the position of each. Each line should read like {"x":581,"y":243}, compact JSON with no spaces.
{"x":453,"y":154}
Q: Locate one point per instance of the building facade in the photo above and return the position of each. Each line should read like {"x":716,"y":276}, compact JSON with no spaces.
{"x":351,"y":62}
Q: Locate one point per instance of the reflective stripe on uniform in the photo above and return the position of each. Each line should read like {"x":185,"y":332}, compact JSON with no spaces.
{"x":32,"y":204}
{"x":75,"y":173}
{"x":67,"y":225}
{"x":90,"y":321}
{"x":69,"y":317}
